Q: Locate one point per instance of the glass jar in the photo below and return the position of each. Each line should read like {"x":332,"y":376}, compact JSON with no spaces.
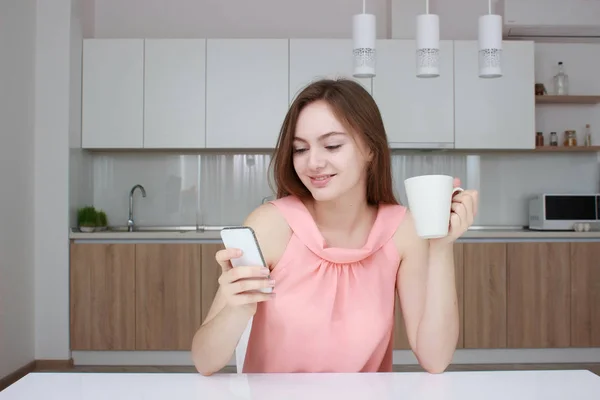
{"x":570,"y":138}
{"x":553,"y":139}
{"x":539,"y":139}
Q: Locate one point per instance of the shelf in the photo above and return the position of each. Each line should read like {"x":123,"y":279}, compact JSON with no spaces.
{"x":551,"y":99}
{"x":567,"y":149}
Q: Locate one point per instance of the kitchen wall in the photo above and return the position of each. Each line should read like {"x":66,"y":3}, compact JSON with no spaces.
{"x":232,"y":18}
{"x":60,"y":176}
{"x":17,"y":171}
{"x":80,"y":161}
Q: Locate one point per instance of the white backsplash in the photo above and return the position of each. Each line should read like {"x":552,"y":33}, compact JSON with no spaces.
{"x":211,"y":188}
{"x":223,"y":188}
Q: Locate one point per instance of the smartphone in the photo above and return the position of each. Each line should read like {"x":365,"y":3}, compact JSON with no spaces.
{"x":244,"y":238}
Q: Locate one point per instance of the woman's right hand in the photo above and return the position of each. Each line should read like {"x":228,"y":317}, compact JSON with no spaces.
{"x":241,"y":285}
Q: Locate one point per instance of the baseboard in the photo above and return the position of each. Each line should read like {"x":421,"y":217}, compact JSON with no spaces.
{"x":16,"y":375}
{"x":53,"y":365}
{"x":34,"y":366}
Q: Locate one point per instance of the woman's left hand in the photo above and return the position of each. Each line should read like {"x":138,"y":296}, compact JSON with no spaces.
{"x":463,"y":211}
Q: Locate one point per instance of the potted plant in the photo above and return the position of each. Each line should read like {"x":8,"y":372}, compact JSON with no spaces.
{"x":101,"y":220}
{"x":87,"y":218}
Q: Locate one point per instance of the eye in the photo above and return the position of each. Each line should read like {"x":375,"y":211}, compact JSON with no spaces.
{"x":299,"y":151}
{"x":332,"y":148}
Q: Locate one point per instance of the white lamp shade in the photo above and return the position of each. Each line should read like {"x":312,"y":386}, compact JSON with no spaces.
{"x":364,"y":36}
{"x":490,"y":46}
{"x":428,"y":46}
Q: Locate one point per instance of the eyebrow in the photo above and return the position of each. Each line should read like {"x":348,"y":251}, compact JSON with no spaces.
{"x":323,"y":136}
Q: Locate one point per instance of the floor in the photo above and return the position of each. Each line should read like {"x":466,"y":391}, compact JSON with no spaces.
{"x":595,"y":368}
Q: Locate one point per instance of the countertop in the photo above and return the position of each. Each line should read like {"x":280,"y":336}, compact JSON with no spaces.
{"x":489,"y":385}
{"x":212,"y":235}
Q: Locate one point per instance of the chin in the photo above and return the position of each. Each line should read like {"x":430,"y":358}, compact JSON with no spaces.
{"x":324,"y":195}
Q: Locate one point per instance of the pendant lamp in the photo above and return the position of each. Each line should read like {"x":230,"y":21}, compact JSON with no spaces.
{"x":428,"y":44}
{"x":364,"y":37}
{"x":490,"y":44}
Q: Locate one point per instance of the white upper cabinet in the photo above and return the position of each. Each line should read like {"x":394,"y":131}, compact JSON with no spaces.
{"x":495,"y":113}
{"x":312,"y":59}
{"x":417,"y":112}
{"x":175,"y":93}
{"x":247,"y":92}
{"x":113,"y":93}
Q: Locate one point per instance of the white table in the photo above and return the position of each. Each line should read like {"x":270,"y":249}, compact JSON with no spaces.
{"x":492,"y":385}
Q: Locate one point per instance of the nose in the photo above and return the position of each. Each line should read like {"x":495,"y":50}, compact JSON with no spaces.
{"x":316,"y":160}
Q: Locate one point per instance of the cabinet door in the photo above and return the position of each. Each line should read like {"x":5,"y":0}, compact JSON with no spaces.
{"x":247,"y":92}
{"x":485,"y":295}
{"x":168,"y":290}
{"x":539,"y":301}
{"x":102,"y":296}
{"x":417,"y":112}
{"x":113,"y":93}
{"x":585,"y":294}
{"x":495,"y":113}
{"x":174,"y":93}
{"x":312,"y":59}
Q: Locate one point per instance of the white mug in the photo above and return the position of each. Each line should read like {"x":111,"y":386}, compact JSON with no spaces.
{"x":430,"y":200}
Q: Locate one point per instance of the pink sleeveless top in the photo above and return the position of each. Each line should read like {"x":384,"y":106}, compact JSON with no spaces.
{"x":334,"y":307}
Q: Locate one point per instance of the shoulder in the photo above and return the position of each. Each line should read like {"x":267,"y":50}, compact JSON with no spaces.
{"x":272,"y":231}
{"x":406,"y":238}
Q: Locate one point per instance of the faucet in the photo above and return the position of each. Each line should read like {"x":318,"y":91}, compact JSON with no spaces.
{"x":130,"y":222}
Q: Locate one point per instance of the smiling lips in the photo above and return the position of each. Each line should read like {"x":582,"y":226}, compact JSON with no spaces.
{"x":321,"y":181}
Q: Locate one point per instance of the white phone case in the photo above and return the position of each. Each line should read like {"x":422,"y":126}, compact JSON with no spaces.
{"x":243,"y":238}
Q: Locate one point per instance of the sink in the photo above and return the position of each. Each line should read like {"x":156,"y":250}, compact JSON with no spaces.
{"x":162,"y":229}
{"x":150,"y":229}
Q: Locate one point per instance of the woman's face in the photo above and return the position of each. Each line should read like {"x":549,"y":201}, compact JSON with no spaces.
{"x":329,"y":160}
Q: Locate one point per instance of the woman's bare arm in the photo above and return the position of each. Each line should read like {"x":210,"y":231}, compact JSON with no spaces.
{"x":215,"y":341}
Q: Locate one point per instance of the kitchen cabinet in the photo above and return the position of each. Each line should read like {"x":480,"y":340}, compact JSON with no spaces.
{"x":417,"y":112}
{"x":102,"y":296}
{"x":494,"y":113}
{"x":538,"y":292}
{"x":113,"y":93}
{"x":175,"y":93}
{"x":247,"y":92}
{"x":313,"y":59}
{"x":585,"y":294}
{"x":485,"y":295}
{"x":139,"y":296}
{"x":168,"y":282}
{"x":154,"y":296}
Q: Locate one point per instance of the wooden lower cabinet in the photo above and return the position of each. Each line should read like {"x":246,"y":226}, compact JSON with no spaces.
{"x":485,"y":295}
{"x":154,"y":296}
{"x":102,"y":297}
{"x":144,"y":296}
{"x":168,"y":287}
{"x":585,"y":294}
{"x":539,"y":298}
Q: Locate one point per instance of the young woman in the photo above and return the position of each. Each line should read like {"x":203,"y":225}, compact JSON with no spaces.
{"x":338,"y":248}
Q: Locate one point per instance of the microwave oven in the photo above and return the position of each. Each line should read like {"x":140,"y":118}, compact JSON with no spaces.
{"x":563,"y":211}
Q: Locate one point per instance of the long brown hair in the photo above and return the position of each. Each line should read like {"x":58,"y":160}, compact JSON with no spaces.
{"x":354,"y":107}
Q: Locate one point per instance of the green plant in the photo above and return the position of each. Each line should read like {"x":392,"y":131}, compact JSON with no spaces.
{"x":87,"y":216}
{"x":101,"y":219}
